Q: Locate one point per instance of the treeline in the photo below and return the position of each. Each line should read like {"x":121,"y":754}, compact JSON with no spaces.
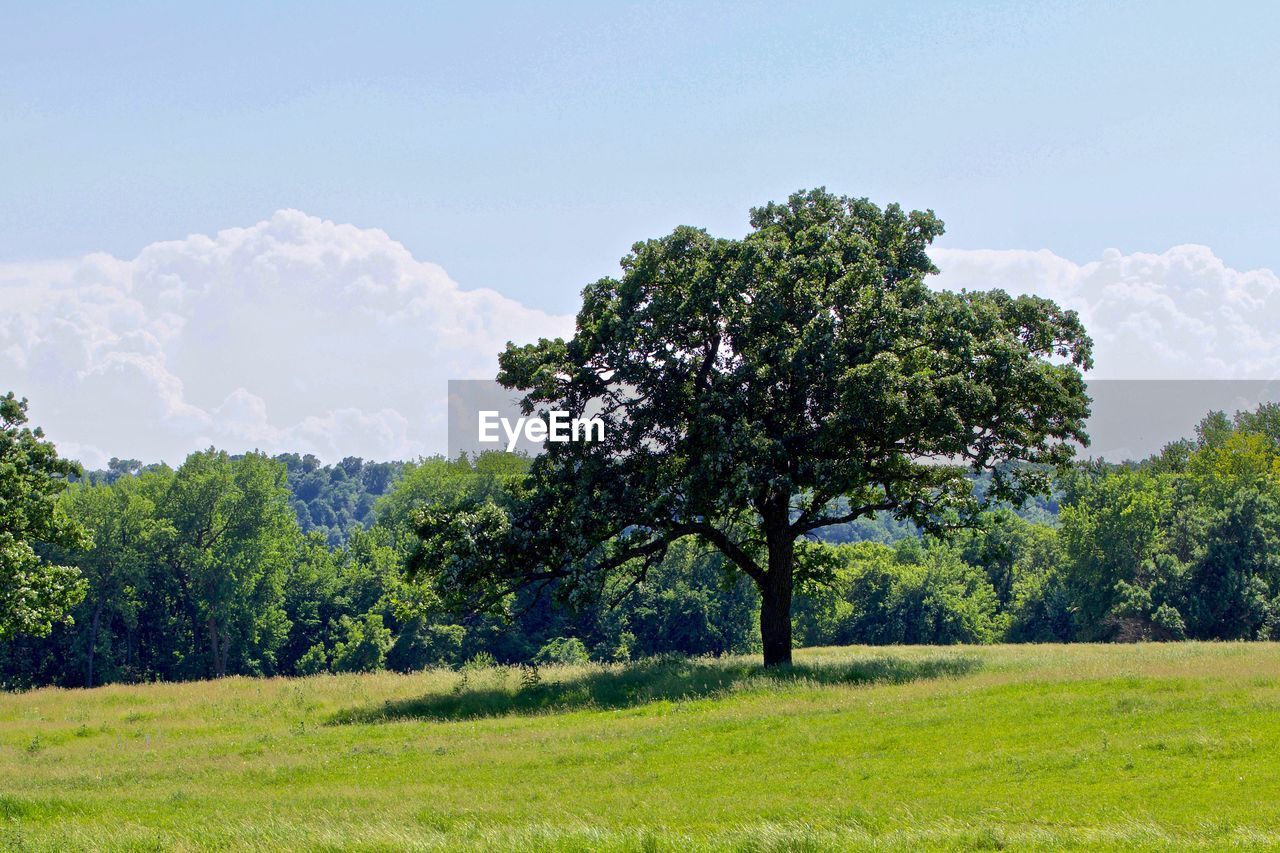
{"x":1183,"y":545}
{"x":205,"y":570}
{"x":884,"y":528}
{"x":333,"y":500}
{"x":212,"y":569}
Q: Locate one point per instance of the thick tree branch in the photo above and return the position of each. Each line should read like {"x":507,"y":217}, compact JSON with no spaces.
{"x":802,"y":527}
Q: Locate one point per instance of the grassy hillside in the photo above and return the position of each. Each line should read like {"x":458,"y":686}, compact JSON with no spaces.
{"x":1140,"y":746}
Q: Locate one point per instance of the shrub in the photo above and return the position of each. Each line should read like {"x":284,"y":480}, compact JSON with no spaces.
{"x":479,"y":661}
{"x":1041,"y":609}
{"x":914,"y":594}
{"x":365,"y":646}
{"x":315,"y":660}
{"x":419,"y":645}
{"x":562,"y":650}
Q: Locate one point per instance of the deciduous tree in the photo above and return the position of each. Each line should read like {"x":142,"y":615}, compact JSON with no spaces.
{"x":34,"y":594}
{"x":757,"y":390}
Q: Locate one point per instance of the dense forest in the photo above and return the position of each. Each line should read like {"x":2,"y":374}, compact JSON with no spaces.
{"x":331,"y":499}
{"x":258,"y":565}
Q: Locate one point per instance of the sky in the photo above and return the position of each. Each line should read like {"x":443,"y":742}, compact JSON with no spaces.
{"x":218,"y":223}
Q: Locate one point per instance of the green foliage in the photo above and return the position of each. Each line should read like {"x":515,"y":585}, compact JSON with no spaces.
{"x":1230,"y":587}
{"x":480,"y":661}
{"x":330,"y":607}
{"x":234,"y":536}
{"x":910,"y":596}
{"x":35,"y":595}
{"x":185,"y":570}
{"x":1182,"y":545}
{"x":421,"y":643}
{"x":315,"y":660}
{"x":564,"y":650}
{"x":693,"y":603}
{"x":364,"y":644}
{"x":755,"y":391}
{"x":1111,"y":529}
{"x":126,"y":532}
{"x":334,"y":500}
{"x":1042,"y":609}
{"x":438,"y":481}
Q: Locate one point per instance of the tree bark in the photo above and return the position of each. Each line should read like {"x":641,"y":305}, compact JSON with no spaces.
{"x":775,"y":623}
{"x":775,"y":601}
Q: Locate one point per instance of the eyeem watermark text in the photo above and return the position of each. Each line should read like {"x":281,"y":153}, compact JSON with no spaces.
{"x":559,"y":427}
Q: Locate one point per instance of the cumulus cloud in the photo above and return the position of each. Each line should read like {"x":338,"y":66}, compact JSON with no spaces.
{"x":1182,"y":314}
{"x":304,"y":335}
{"x":294,"y":334}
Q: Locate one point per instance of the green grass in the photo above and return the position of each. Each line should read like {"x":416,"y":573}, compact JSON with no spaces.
{"x":1155,"y":746}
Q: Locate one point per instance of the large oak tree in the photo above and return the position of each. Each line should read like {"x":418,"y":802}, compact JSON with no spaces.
{"x":757,"y":390}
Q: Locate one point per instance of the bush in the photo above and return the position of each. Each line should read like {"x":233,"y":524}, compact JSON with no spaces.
{"x":1170,"y":621}
{"x":914,"y":595}
{"x":314,"y":661}
{"x":365,"y":646}
{"x":567,"y":650}
{"x":693,"y":603}
{"x":1041,"y":609}
{"x":419,"y":645}
{"x":479,"y":661}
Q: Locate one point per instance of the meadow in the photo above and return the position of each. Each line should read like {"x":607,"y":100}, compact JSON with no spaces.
{"x":1157,"y":746}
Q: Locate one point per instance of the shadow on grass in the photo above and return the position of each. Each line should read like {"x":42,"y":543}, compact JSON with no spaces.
{"x":499,"y":692}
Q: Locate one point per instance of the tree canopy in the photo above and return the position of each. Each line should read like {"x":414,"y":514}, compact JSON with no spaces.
{"x":758,"y":390}
{"x":1180,"y":545}
{"x":34,"y":594}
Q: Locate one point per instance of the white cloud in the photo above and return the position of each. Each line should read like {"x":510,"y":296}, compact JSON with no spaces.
{"x":300,"y":334}
{"x":293,"y":334}
{"x":1182,"y":314}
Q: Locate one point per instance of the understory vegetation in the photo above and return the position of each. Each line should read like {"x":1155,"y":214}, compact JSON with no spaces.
{"x":218,"y":567}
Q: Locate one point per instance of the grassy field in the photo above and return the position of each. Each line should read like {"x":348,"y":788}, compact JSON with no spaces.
{"x":1156,"y":746}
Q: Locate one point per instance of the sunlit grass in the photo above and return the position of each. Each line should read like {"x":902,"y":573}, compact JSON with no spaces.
{"x":1159,"y":746}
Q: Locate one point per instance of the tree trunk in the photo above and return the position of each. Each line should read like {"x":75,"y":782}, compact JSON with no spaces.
{"x":775,"y":602}
{"x":215,"y":647}
{"x":225,"y":655}
{"x":93,"y":640}
{"x":193,"y":612}
{"x":775,"y":624}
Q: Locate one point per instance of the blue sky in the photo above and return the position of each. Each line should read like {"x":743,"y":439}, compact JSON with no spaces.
{"x":286,"y":228}
{"x":525,"y":146}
